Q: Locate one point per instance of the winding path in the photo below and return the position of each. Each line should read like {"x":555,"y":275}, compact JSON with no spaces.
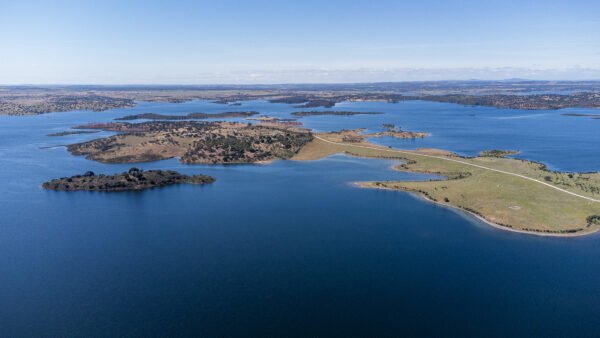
{"x":465,"y":163}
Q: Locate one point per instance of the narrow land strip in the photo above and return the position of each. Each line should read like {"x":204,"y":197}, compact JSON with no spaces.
{"x":511,"y":194}
{"x":465,"y":163}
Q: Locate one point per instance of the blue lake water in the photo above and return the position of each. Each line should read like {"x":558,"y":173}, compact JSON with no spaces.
{"x":289,"y":248}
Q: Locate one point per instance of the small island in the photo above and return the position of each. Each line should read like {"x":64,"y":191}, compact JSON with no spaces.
{"x":64,"y":133}
{"x":397,"y":132}
{"x":190,"y":116}
{"x":356,"y":135}
{"x":263,"y":118}
{"x":134,"y":179}
{"x":592,"y":116}
{"x":498,"y":153}
{"x":275,"y":122}
{"x":333,"y":112}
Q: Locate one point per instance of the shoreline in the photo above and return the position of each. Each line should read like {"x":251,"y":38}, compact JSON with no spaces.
{"x":488,"y":222}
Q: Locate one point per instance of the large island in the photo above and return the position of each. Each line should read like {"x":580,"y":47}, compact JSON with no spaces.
{"x":192,"y":142}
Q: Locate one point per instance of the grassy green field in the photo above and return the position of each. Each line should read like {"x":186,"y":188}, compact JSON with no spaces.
{"x":471,"y":184}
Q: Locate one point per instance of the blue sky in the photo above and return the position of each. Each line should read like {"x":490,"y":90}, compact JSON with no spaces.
{"x":296,"y":41}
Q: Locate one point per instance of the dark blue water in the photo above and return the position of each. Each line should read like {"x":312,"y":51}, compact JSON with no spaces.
{"x":289,"y":248}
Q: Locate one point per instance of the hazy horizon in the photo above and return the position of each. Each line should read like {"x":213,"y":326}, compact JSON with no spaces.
{"x":258,"y":84}
{"x":266,"y":42}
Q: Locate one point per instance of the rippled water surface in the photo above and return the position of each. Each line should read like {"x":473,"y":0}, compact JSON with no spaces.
{"x":289,"y":248}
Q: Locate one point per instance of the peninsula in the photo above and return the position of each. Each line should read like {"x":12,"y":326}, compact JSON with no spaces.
{"x":507,"y":193}
{"x":134,"y":179}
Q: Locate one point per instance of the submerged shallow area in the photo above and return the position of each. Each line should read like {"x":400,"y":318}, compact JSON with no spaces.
{"x":288,"y":248}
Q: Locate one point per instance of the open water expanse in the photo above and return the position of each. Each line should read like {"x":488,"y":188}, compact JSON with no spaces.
{"x":289,"y":248}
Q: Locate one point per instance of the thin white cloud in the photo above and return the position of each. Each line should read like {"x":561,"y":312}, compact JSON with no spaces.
{"x":324,"y":75}
{"x":329,"y":75}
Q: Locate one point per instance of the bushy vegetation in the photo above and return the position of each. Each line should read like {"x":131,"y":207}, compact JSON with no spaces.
{"x":193,"y":142}
{"x":498,"y":153}
{"x":333,"y":112}
{"x":593,"y":220}
{"x":64,"y":133}
{"x":190,"y":116}
{"x":61,"y":103}
{"x":250,"y":144}
{"x":134,"y":179}
{"x":537,"y":101}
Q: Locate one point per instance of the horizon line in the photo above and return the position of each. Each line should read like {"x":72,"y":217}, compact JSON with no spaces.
{"x":288,"y":83}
